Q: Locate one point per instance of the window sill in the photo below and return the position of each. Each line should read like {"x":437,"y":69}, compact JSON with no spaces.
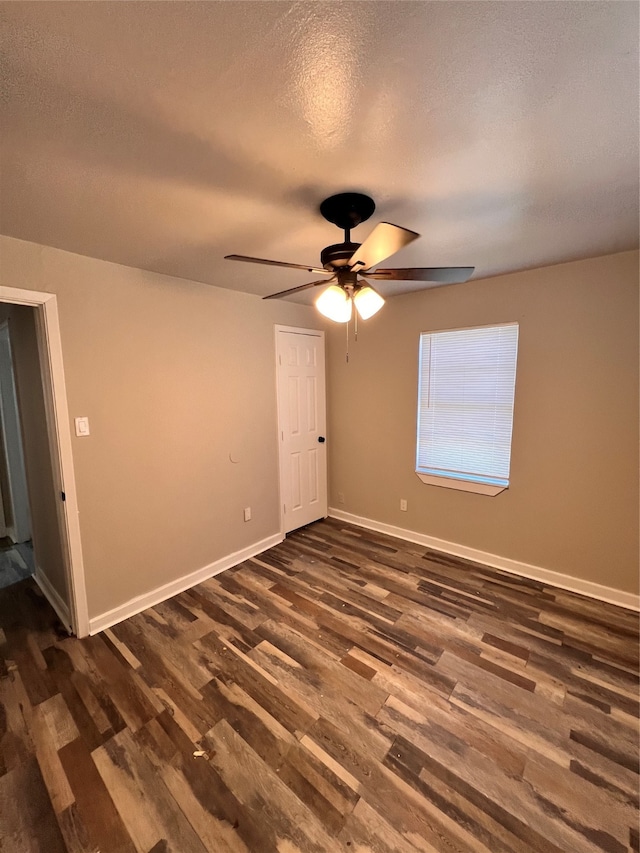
{"x":461,"y":485}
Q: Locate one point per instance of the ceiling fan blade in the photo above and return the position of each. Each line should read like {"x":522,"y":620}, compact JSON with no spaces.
{"x":273,"y":263}
{"x":385,"y":240}
{"x":301,"y":287}
{"x":439,"y":275}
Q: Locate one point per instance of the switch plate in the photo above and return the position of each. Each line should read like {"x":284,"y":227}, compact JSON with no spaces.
{"x":403,"y":505}
{"x":82,"y":426}
{"x":247,"y":513}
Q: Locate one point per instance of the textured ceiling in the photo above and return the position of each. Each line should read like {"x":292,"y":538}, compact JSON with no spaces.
{"x":166,"y":135}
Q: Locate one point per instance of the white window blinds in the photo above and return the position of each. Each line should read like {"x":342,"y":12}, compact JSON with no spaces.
{"x":465,"y":403}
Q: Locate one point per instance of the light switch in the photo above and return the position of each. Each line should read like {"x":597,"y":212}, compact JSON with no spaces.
{"x":82,"y":426}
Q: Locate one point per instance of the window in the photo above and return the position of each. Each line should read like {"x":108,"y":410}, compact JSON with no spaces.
{"x":466,"y":391}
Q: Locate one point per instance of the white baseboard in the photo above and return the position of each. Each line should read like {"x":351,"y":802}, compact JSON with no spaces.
{"x":54,"y":599}
{"x":546,"y":576}
{"x":161,"y":593}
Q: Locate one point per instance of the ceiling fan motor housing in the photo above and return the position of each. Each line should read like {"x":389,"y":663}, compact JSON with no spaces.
{"x":338,"y":255}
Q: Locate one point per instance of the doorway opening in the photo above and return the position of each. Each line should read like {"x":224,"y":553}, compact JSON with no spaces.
{"x":38,"y":426}
{"x":17,"y":560}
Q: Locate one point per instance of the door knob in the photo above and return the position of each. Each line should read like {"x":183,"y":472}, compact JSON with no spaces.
{"x":321,"y":439}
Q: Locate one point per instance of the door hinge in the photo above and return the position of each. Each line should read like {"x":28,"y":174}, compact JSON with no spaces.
{"x":63,"y":496}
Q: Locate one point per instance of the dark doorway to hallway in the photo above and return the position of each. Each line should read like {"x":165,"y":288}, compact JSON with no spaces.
{"x":16,"y":562}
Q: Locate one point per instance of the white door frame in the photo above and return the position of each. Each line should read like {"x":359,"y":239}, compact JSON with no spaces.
{"x":296,"y":330}
{"x":59,"y":429}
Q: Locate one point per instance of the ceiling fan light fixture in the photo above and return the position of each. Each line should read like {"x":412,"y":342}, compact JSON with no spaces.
{"x":368,"y":302}
{"x":334,"y":303}
{"x":348,"y":262}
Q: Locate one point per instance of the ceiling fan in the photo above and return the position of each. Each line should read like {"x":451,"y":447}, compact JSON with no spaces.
{"x":348,"y":262}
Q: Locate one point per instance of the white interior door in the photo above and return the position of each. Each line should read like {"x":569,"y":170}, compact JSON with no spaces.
{"x":302,"y":425}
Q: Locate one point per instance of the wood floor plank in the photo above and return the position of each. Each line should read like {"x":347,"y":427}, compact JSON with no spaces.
{"x":74,"y":832}
{"x":259,"y":729}
{"x":103,"y":823}
{"x":343,"y":692}
{"x":16,"y":741}
{"x":367,"y":830}
{"x":283,"y":817}
{"x":55,"y":779}
{"x":215,"y":834}
{"x":593,"y":813}
{"x":405,"y":809}
{"x":143,"y":800}
{"x":59,"y":721}
{"x":28,"y":823}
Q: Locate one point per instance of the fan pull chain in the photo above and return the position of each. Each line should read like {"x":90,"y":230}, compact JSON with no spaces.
{"x":347,"y":342}
{"x":355,"y":322}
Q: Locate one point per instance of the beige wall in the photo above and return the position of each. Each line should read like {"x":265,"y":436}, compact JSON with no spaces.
{"x":41,"y":484}
{"x":174,"y":376}
{"x":573,"y":502}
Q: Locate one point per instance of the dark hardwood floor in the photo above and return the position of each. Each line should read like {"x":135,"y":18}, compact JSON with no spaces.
{"x":345,"y":691}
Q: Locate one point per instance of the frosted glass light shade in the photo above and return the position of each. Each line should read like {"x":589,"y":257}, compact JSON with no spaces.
{"x":335,"y":304}
{"x":367,"y":302}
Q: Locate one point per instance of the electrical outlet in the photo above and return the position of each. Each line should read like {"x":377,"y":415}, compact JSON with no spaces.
{"x":403,"y":505}
{"x":247,"y":513}
{"x":340,"y":497}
